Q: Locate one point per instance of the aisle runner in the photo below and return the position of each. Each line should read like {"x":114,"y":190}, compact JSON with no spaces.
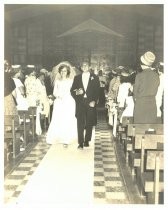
{"x":64,"y":177}
{"x":108,"y":183}
{"x":15,"y":182}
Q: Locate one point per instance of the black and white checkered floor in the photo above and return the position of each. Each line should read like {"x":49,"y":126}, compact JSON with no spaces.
{"x":109,"y":184}
{"x":18,"y":178}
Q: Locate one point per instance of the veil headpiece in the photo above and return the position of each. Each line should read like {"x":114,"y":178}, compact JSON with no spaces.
{"x":55,"y":74}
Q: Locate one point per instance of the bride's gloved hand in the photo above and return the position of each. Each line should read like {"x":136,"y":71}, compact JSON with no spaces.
{"x":92,"y":104}
{"x":79,"y":91}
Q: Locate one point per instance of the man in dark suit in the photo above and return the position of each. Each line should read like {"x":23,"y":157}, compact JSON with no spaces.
{"x":85,"y":91}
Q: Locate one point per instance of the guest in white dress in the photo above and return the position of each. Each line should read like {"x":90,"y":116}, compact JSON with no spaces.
{"x":129,"y":105}
{"x":21,"y":100}
{"x":123,"y":92}
{"x":63,"y":126}
{"x":160,"y":91}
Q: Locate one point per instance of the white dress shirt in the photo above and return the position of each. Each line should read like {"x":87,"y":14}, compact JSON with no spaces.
{"x":85,"y":80}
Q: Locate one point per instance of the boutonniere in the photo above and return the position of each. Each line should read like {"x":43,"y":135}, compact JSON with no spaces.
{"x":92,"y":78}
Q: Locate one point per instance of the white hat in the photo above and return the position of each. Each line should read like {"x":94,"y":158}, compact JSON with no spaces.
{"x":148,"y":58}
{"x":124,"y":74}
{"x":43,"y":71}
{"x":120,"y":67}
{"x":16,"y":66}
{"x":30,"y":66}
{"x":114,"y":72}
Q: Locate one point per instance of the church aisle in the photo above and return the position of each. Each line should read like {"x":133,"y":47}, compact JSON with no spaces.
{"x":67,"y":176}
{"x":64,"y":177}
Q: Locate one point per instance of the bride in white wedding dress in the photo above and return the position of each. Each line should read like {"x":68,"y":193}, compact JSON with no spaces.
{"x":63,"y":126}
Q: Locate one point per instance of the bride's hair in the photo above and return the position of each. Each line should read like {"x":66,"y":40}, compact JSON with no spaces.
{"x":64,"y":66}
{"x":55,"y":74}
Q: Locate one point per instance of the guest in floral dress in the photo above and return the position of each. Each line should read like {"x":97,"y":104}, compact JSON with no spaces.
{"x":31,"y":86}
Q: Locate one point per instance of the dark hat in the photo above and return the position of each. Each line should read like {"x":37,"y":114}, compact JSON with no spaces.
{"x":117,"y":71}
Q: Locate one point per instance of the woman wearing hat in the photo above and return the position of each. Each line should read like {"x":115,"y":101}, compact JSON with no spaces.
{"x":115,"y":83}
{"x":145,"y":90}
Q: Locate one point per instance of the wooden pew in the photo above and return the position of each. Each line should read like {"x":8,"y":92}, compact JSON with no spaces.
{"x":147,"y":141}
{"x":151,"y":180}
{"x":32,"y":115}
{"x":133,"y":129}
{"x":24,"y":125}
{"x":150,"y":141}
{"x":11,"y":136}
{"x":140,"y":128}
{"x":144,"y":143}
{"x":127,"y":128}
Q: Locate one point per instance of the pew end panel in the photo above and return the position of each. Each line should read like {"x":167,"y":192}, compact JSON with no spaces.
{"x":151,"y":181}
{"x":11,"y":138}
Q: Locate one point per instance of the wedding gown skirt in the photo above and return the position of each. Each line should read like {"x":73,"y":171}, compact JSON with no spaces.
{"x":63,"y":126}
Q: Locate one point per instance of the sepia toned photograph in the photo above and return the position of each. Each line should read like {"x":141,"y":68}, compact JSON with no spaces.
{"x":83,"y":104}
